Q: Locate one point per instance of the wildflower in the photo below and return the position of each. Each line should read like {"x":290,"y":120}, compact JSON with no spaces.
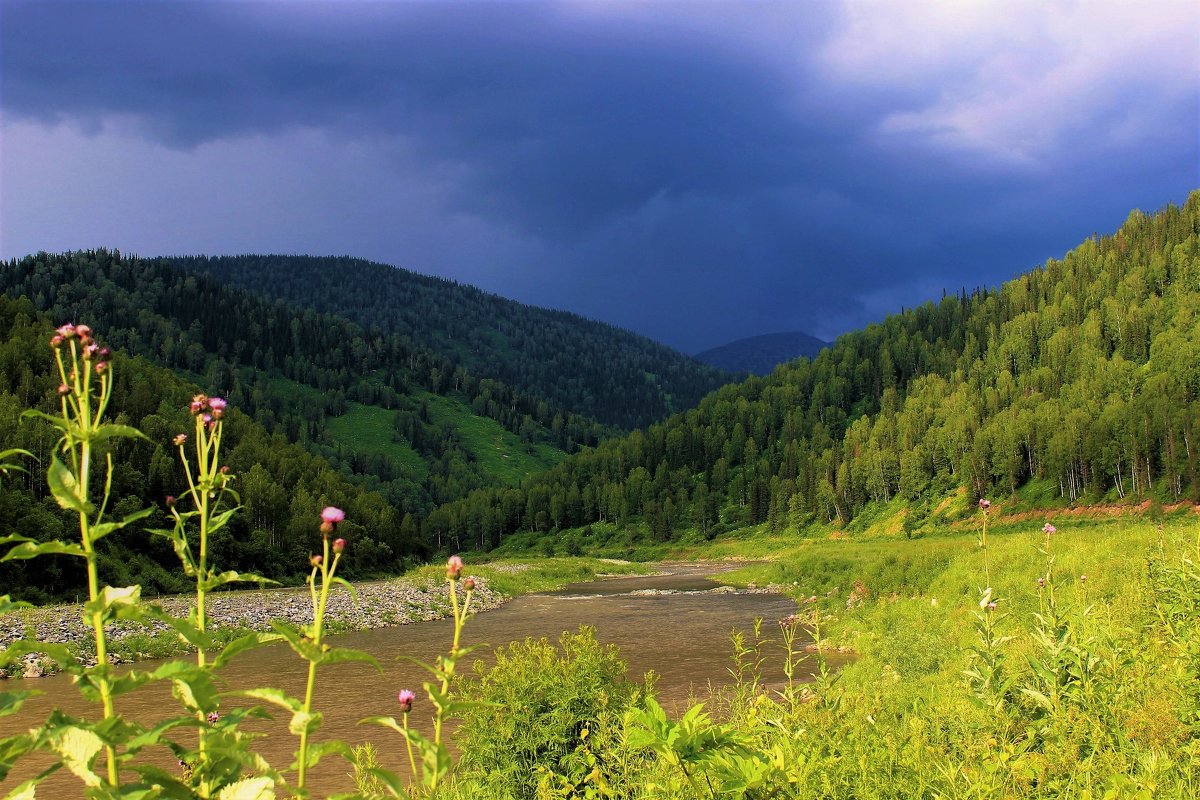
{"x":339,"y":545}
{"x":83,"y":331}
{"x":406,"y":698}
{"x":171,"y":501}
{"x":101,"y":367}
{"x":315,"y":560}
{"x":207,"y":419}
{"x":1049,"y":529}
{"x":56,"y":341}
{"x":330,"y":517}
{"x":89,"y":351}
{"x":213,"y":717}
{"x":218,"y":407}
{"x":179,"y":439}
{"x":991,"y":606}
{"x":199,"y":403}
{"x":63,"y":389}
{"x":1041,"y":583}
{"x":469,"y":584}
{"x":104,"y":353}
{"x":66,"y":331}
{"x":984,"y":503}
{"x":454,"y":567}
{"x":1083,"y":579}
{"x":224,"y":470}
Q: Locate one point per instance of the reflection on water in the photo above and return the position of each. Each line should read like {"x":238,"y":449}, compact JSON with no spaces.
{"x":670,"y":623}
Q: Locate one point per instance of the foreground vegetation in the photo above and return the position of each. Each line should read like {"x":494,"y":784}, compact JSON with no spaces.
{"x":1074,"y":676}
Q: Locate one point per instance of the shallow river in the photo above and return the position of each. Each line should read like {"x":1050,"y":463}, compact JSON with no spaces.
{"x":682,"y":636}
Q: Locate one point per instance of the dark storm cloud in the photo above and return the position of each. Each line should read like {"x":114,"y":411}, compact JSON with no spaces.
{"x":695,"y":172}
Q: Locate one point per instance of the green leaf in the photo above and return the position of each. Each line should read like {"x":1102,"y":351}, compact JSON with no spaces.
{"x":115,"y":602}
{"x":349,"y":588}
{"x":231,"y":576}
{"x":305,"y":722}
{"x":221,"y":520}
{"x":65,"y":488}
{"x":54,"y":420}
{"x":105,"y":528}
{"x":112,"y":431}
{"x":11,"y":749}
{"x":304,"y":647}
{"x":249,"y":789}
{"x":29,"y":549}
{"x":341,"y":655}
{"x":11,"y":702}
{"x":321,"y":749}
{"x":241,"y":645}
{"x":8,"y":605}
{"x":275,"y":697}
{"x":26,"y":790}
{"x":77,"y":747}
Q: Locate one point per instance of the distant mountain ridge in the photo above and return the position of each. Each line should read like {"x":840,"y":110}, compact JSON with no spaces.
{"x":615,"y":376}
{"x":760,"y":355}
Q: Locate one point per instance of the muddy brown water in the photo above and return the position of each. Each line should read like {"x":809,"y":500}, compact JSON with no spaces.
{"x":669,"y":623}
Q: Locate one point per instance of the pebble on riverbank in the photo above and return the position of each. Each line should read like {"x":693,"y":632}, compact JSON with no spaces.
{"x":381,"y":604}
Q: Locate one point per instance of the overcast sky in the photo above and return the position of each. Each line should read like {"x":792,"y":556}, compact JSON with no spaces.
{"x":697,"y":172}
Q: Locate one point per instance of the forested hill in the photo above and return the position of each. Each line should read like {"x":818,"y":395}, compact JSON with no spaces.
{"x":1077,"y":382}
{"x":399,"y":418}
{"x":282,"y":486}
{"x":591,"y":368}
{"x":760,"y":355}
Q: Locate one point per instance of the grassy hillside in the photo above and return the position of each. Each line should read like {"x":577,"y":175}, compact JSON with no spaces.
{"x":295,"y":370}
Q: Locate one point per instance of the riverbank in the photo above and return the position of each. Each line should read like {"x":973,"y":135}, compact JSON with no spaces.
{"x":417,"y":596}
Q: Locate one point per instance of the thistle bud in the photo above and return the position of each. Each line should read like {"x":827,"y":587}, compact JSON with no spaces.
{"x":454,"y":567}
{"x":326,"y":528}
{"x":985,"y":504}
{"x":171,"y":501}
{"x":63,"y":389}
{"x":83,"y":331}
{"x":213,"y":717}
{"x":469,"y":584}
{"x":101,"y":367}
{"x":315,"y":560}
{"x":179,"y":439}
{"x":66,"y":331}
{"x":339,"y":545}
{"x":56,"y":341}
{"x":224,"y":470}
{"x":218,"y":407}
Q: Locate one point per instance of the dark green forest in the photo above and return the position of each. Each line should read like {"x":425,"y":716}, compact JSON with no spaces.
{"x":590,"y":368}
{"x":1080,"y":378}
{"x":282,"y":486}
{"x":293,"y":369}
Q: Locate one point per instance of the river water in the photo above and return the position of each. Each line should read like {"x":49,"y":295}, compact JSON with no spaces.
{"x":670,"y":623}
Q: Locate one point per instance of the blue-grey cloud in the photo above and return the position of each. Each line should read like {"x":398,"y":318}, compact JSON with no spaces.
{"x":695,"y":172}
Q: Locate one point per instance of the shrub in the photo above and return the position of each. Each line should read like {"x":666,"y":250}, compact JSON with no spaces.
{"x":548,"y":710}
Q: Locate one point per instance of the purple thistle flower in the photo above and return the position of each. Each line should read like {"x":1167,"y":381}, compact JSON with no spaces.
{"x":406,"y":698}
